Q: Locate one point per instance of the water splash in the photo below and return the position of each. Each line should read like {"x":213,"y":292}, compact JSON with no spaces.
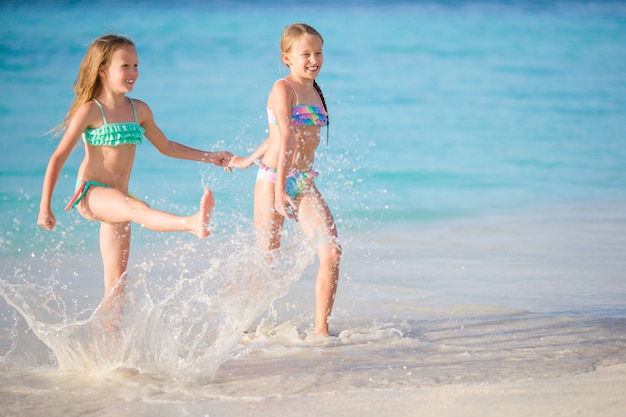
{"x":182,"y":311}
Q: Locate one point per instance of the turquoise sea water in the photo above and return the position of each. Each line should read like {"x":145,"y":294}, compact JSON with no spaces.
{"x":476,"y":167}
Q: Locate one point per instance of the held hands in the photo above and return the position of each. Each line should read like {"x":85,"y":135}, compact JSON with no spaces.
{"x":243,"y":163}
{"x":46,"y":219}
{"x":239,"y":162}
{"x":221,"y":159}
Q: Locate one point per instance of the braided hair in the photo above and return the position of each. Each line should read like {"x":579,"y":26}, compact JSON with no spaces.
{"x":319,"y":91}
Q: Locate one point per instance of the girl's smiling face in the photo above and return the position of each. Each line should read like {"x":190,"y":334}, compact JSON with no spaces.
{"x":305,"y":58}
{"x":122,"y":71}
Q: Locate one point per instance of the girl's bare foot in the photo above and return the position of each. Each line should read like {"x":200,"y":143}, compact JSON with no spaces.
{"x":202,"y":219}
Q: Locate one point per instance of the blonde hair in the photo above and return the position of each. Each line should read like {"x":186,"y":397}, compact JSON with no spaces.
{"x":88,"y":84}
{"x":293,"y":32}
{"x":291,"y":35}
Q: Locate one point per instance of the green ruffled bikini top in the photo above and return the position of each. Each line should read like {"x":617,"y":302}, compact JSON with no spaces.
{"x":114,"y":134}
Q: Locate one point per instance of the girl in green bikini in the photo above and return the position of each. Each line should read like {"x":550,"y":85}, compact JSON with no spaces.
{"x":112,"y":125}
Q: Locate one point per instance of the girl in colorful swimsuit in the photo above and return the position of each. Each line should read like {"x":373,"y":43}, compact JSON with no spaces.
{"x":112,"y":125}
{"x":285,"y":186}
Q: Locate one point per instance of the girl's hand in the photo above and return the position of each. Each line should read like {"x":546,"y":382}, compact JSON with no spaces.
{"x":221,"y":159}
{"x":239,"y":162}
{"x":46,"y":219}
{"x":285,"y":206}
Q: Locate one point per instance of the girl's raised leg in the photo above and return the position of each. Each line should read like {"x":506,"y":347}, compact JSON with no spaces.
{"x":112,"y":206}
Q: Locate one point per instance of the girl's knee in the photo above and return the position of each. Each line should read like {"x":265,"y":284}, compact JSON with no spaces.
{"x":331,"y":253}
{"x":337,"y":251}
{"x":136,"y":204}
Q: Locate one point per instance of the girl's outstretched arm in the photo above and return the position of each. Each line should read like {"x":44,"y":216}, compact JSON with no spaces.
{"x":243,"y":163}
{"x":175,"y":149}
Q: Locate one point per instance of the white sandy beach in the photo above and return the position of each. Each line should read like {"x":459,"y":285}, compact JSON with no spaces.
{"x":598,"y":393}
{"x":601,"y":393}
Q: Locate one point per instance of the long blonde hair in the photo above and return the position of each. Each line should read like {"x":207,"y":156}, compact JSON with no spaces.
{"x":88,"y":84}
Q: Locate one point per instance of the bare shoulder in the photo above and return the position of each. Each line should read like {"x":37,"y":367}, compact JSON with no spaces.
{"x":281,"y":92}
{"x":140,"y":105}
{"x":281,"y":86}
{"x":144,"y":113}
{"x":88,"y":115}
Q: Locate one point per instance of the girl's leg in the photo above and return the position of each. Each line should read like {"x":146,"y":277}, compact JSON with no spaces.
{"x":315,"y":218}
{"x":267,"y":222}
{"x":109,"y":205}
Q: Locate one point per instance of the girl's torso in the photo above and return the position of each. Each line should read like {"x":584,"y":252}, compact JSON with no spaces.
{"x":306,"y":121}
{"x":110,"y":150}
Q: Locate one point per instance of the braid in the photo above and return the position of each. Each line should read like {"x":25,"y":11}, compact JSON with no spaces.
{"x":319,"y":91}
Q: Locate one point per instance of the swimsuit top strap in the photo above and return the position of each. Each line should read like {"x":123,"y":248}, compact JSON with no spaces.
{"x":294,"y":90}
{"x":101,"y":110}
{"x":132,"y":103}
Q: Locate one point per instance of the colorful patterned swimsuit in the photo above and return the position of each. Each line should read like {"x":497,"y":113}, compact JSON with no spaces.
{"x":301,"y":115}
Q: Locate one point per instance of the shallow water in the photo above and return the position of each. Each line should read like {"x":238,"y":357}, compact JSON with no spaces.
{"x":463,"y":303}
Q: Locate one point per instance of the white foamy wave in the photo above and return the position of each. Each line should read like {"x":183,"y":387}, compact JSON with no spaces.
{"x":182,"y":311}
